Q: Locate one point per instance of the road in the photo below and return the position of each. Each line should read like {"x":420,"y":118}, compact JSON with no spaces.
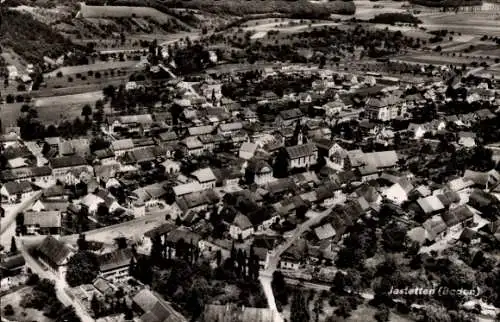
{"x":60,"y":284}
{"x":7,"y":226}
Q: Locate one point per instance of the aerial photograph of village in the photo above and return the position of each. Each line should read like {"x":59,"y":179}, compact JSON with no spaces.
{"x":250,"y":160}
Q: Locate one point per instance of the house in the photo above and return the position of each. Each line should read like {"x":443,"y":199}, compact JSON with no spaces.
{"x":193,"y":146}
{"x":12,"y":265}
{"x":205,"y":177}
{"x":40,"y":176}
{"x":54,"y":255}
{"x":294,"y":256}
{"x":418,"y":130}
{"x":382,"y":160}
{"x":458,"y":218}
{"x":63,"y":165}
{"x":397,"y":193}
{"x":154,"y":309}
{"x":288,"y":117}
{"x":211,"y":141}
{"x":14,"y":192}
{"x":263,"y":172}
{"x":139,"y":124}
{"x":302,"y":156}
{"x":234,"y":313}
{"x":241,"y":227}
{"x":467,"y":139}
{"x":385,"y":108}
{"x":435,"y":228}
{"x":42,"y":222}
{"x":75,"y":146}
{"x":114,"y":266}
{"x":187,"y":188}
{"x":226,"y":129}
{"x":119,"y":147}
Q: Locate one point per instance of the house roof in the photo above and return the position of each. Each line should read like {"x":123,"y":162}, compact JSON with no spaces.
{"x":68,"y":161}
{"x":382,"y":159}
{"x":14,"y":188}
{"x":124,"y":144}
{"x":324,"y":232}
{"x":187,"y":188}
{"x":241,"y":221}
{"x":434,"y":226}
{"x":302,"y":150}
{"x":43,"y":219}
{"x":291,"y":114}
{"x":155,"y":309}
{"x":12,"y":262}
{"x":204,"y":175}
{"x":227,"y":127}
{"x":233,"y":313}
{"x":192,"y":143}
{"x":188,"y":236}
{"x":56,"y":251}
{"x":200,"y":130}
{"x":430,"y":204}
{"x":114,"y":260}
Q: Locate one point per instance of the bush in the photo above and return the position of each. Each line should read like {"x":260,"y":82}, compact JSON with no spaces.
{"x":59,"y":74}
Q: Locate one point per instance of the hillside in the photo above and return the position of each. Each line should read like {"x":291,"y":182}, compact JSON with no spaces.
{"x":447,"y":3}
{"x":298,"y":9}
{"x":30,"y":38}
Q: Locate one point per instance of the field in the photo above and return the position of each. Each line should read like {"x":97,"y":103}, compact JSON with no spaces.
{"x":261,"y":27}
{"x":124,"y":11}
{"x":477,"y":24}
{"x":51,"y":110}
{"x":22,"y":314}
{"x":83,"y":69}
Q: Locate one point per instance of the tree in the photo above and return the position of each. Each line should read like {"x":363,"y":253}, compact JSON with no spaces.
{"x":82,"y":243}
{"x":86,"y":110}
{"x":382,"y":314}
{"x":299,"y":311}
{"x":83,"y":268}
{"x":25,"y":108}
{"x":280,"y":165}
{"x":95,"y":306}
{"x":13,"y":246}
{"x":102,"y":210}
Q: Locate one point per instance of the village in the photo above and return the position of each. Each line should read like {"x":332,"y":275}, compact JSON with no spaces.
{"x":197,"y":189}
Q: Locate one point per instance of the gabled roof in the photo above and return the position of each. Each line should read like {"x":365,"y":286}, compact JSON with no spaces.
{"x":241,"y":221}
{"x":382,"y":159}
{"x":124,"y":144}
{"x":204,"y":175}
{"x":291,"y":114}
{"x":56,"y":251}
{"x":303,"y":150}
{"x":114,"y":260}
{"x":43,"y":219}
{"x":155,"y":309}
{"x":430,"y":204}
{"x":324,"y":232}
{"x":434,"y":226}
{"x":68,"y":161}
{"x":13,"y":188}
